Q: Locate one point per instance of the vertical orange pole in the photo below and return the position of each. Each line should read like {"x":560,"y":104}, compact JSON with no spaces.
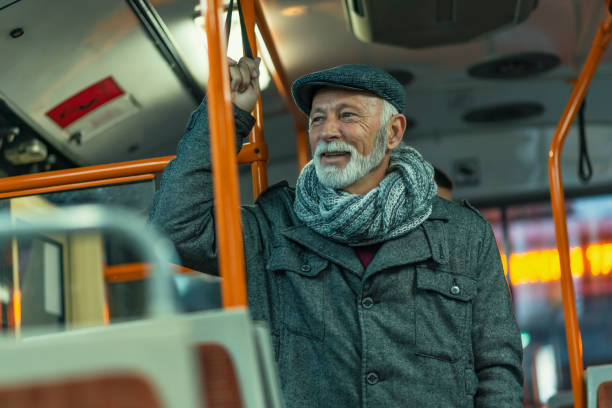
{"x":572,"y":329}
{"x":259,"y":171}
{"x":302,"y":145}
{"x":282,"y":84}
{"x":17,"y":310}
{"x":223,"y":155}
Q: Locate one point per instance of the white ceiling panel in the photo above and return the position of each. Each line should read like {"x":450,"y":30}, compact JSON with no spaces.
{"x":69,"y":45}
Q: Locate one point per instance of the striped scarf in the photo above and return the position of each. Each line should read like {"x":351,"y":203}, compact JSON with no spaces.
{"x":399,"y":204}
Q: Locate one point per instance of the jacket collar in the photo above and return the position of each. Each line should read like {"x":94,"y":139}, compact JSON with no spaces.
{"x":439,"y":209}
{"x":339,"y":254}
{"x":428,"y":241}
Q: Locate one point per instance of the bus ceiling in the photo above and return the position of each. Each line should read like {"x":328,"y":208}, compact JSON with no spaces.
{"x":480,"y":79}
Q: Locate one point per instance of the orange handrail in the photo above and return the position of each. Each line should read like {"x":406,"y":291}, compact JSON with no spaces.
{"x":102,"y":174}
{"x":259,"y":171}
{"x":75,"y":186}
{"x":136,"y":271}
{"x":282,"y":84}
{"x":572,"y":330}
{"x":223,"y":151}
{"x":82,"y":175}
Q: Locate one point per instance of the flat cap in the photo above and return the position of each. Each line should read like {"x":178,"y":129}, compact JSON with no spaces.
{"x":351,"y":76}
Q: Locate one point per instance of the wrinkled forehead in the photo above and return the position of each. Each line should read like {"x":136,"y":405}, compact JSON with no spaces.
{"x":329,"y":98}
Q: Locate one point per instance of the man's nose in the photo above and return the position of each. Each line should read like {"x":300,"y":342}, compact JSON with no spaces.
{"x":331,"y":129}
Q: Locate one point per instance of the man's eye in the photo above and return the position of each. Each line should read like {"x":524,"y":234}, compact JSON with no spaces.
{"x":347,"y":115}
{"x":316,"y":119}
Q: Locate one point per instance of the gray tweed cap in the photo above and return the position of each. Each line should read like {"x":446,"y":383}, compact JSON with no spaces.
{"x":351,"y":76}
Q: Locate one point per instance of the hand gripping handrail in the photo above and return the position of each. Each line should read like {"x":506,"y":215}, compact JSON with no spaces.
{"x":259,"y":170}
{"x":223,"y":153}
{"x":151,"y":245}
{"x":572,"y":330}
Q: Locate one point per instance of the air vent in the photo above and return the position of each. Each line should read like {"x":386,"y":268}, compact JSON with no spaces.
{"x":430,"y":23}
{"x":504,"y":113}
{"x":403,"y":76}
{"x":515,"y":66}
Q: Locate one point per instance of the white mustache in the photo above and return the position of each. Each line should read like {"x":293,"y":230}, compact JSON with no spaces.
{"x":333,"y":147}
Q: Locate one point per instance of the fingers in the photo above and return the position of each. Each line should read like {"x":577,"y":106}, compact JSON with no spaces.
{"x":252,"y":64}
{"x":235,"y":77}
{"x":243,"y":72}
{"x":246,"y":77}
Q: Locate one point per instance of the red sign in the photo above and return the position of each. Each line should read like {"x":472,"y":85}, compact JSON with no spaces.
{"x":79,"y":105}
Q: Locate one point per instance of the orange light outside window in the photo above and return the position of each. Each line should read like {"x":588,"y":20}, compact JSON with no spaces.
{"x":543,"y":265}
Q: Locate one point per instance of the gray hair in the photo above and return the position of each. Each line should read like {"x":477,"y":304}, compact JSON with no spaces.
{"x":388,"y":111}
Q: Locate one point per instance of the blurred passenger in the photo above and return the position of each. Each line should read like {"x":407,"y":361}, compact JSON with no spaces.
{"x":444,"y":183}
{"x":377,"y":292}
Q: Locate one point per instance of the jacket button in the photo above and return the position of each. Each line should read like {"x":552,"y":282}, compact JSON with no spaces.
{"x":305,"y":268}
{"x":367,"y":303}
{"x":372,"y":378}
{"x":455,"y":290}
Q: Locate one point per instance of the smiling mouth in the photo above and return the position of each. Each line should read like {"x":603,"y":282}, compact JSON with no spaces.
{"x":333,"y":154}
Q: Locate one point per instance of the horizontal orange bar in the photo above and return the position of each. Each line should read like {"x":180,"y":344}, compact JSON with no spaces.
{"x":75,"y":186}
{"x":135,"y":272}
{"x":69,"y":179}
{"x":83,"y":174}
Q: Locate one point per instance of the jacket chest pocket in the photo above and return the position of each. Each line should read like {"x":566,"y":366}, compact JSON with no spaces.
{"x":301,"y":279}
{"x":443,"y":313}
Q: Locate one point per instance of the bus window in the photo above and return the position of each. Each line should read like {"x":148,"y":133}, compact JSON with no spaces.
{"x":528,"y":238}
{"x":69,"y":280}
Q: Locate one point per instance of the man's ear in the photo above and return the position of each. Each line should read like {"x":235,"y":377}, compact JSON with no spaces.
{"x":397,"y":127}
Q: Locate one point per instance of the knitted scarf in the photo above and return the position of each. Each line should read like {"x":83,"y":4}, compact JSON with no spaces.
{"x":399,"y":204}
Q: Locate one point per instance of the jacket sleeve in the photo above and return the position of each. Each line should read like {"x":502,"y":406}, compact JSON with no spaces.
{"x":496,"y":338}
{"x":183,"y":205}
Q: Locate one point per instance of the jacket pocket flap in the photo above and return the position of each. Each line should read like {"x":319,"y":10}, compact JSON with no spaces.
{"x":288,"y":259}
{"x":447,"y":284}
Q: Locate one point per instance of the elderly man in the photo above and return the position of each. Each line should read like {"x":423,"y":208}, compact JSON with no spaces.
{"x":377,"y":292}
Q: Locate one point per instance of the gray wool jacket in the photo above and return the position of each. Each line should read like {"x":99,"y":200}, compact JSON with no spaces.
{"x":428,"y":323}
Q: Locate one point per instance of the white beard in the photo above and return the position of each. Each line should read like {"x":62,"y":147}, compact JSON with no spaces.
{"x":358,"y":166}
